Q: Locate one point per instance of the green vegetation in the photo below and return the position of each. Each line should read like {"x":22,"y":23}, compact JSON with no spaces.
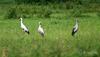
{"x":57,"y":19}
{"x":57,"y":41}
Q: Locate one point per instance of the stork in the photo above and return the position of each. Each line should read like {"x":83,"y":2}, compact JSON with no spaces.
{"x":25,"y":29}
{"x":40,"y":30}
{"x":75,"y":28}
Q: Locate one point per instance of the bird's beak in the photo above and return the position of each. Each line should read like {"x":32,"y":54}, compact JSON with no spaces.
{"x":18,"y":18}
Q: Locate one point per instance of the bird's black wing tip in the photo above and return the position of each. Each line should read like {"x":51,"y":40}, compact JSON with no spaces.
{"x":27,"y":32}
{"x":73,"y":33}
{"x":42,"y":35}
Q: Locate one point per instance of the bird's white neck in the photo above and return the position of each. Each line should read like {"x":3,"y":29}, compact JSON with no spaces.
{"x":39,"y":25}
{"x":76,"y":24}
{"x":21,"y":20}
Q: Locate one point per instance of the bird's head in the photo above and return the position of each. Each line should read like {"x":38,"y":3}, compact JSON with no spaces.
{"x":20,"y":18}
{"x":40,"y":23}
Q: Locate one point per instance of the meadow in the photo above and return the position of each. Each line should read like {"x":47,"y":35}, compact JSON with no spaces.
{"x":58,"y":41}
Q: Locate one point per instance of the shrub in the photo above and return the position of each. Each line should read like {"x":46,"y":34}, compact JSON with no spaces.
{"x":27,"y":11}
{"x":11,"y":13}
{"x":46,"y":13}
{"x":76,"y":11}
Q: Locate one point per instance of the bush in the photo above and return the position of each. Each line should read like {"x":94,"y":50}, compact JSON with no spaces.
{"x":27,"y":11}
{"x":11,"y":13}
{"x":17,"y":11}
{"x":45,"y":13}
{"x":76,"y":11}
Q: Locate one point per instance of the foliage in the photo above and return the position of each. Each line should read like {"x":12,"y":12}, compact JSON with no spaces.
{"x":56,"y":1}
{"x":27,"y":11}
{"x":11,"y":13}
{"x":56,"y":43}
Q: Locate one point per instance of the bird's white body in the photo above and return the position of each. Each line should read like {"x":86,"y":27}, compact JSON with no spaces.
{"x":75,"y":28}
{"x":40,"y":29}
{"x":23,"y":26}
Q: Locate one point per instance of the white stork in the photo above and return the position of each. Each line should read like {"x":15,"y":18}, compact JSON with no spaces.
{"x":75,"y":28}
{"x":24,"y":27}
{"x":40,"y":30}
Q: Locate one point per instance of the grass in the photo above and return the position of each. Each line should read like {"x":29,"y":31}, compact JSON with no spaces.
{"x":57,"y":42}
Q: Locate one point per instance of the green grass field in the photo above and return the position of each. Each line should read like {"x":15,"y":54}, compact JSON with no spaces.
{"x":58,"y":41}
